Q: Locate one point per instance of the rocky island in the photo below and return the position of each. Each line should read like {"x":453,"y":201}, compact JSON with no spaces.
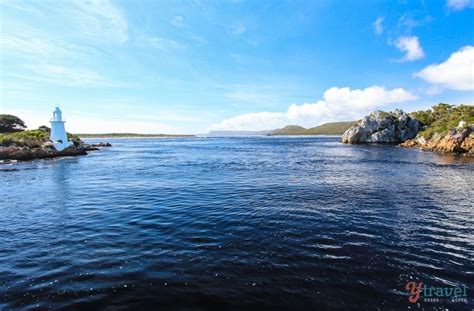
{"x":443,"y":128}
{"x":19,"y":144}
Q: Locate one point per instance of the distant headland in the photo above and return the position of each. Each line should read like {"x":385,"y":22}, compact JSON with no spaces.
{"x":332,"y":128}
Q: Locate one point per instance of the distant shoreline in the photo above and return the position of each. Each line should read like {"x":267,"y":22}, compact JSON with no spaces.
{"x":134,"y":135}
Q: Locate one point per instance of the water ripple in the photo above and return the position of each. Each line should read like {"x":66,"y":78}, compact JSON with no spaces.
{"x":236,"y":223}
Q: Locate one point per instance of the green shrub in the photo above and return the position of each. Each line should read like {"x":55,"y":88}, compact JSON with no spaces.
{"x":33,"y":138}
{"x":443,"y":117}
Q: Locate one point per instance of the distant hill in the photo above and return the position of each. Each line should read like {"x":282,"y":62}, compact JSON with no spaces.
{"x":237,"y":133}
{"x":290,"y":130}
{"x":333,"y":128}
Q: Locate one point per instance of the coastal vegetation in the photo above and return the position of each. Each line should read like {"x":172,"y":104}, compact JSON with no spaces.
{"x":13,"y":132}
{"x":443,"y":117}
{"x":10,"y":124}
{"x":31,"y":138}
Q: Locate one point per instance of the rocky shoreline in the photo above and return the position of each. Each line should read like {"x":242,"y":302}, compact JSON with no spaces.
{"x":405,"y":130}
{"x":15,"y":153}
{"x":456,"y":141}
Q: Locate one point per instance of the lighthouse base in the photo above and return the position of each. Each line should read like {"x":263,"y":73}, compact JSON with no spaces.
{"x":61,"y":146}
{"x":58,"y":135}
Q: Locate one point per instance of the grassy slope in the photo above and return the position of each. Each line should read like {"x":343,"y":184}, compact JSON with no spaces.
{"x":333,"y":128}
{"x":289,"y":130}
{"x":32,"y":138}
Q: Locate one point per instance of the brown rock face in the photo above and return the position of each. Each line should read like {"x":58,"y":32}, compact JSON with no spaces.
{"x":468,"y":144}
{"x":456,"y":141}
{"x":409,"y":143}
{"x":451,"y":143}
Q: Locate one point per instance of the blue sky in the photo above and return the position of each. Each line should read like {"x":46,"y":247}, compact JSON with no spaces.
{"x":193,"y":66}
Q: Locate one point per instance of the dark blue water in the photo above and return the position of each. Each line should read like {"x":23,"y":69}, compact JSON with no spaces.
{"x":235,"y":223}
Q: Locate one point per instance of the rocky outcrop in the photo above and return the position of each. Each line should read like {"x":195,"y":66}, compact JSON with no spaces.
{"x":25,"y":153}
{"x":383,"y":128}
{"x":456,"y":140}
{"x":45,"y":150}
{"x":98,"y":145}
{"x":93,"y":147}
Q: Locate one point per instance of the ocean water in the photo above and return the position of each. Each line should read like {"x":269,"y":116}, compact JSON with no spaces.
{"x":235,"y":223}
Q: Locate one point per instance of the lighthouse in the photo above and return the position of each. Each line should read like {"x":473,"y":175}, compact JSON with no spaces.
{"x":58,"y":132}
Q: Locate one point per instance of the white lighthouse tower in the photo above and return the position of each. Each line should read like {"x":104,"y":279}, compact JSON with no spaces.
{"x":58,"y":132}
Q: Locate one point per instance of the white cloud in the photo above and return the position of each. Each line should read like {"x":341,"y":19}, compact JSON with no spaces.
{"x":32,"y":44}
{"x":164,"y":44}
{"x":88,"y":124}
{"x":378,"y":27}
{"x":93,"y":19}
{"x":239,"y":30}
{"x":457,"y":72}
{"x":79,"y":122}
{"x":411,"y":47}
{"x":250,"y":97}
{"x":100,"y":19}
{"x":337,"y":104}
{"x":177,"y":21}
{"x":411,"y":20}
{"x":459,"y":5}
{"x":67,"y":76}
{"x":252,"y":121}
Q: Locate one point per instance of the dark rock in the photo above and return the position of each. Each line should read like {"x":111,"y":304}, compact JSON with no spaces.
{"x":102,"y":144}
{"x":92,"y":147}
{"x":27,"y":153}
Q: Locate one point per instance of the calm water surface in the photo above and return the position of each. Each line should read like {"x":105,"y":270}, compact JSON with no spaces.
{"x":233,"y":223}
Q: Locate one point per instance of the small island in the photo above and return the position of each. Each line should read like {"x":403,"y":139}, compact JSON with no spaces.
{"x":19,"y":144}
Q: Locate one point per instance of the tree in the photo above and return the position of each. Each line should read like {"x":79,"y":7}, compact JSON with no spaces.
{"x":44,"y":128}
{"x":9,"y":124}
{"x":442,"y":108}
